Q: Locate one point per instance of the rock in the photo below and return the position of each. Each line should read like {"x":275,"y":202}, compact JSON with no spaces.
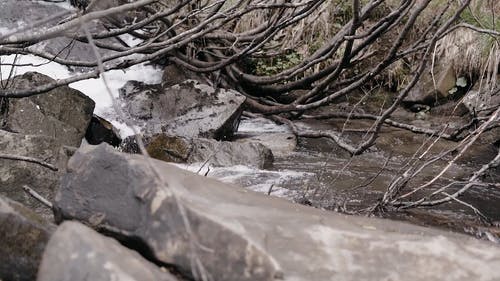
{"x":227,"y":153}
{"x":23,"y":239}
{"x":173,"y":75}
{"x":62,"y":113}
{"x":198,"y":150}
{"x":14,"y":173}
{"x":278,"y":138}
{"x":138,"y":99}
{"x":76,"y":252}
{"x":242,"y":235}
{"x":189,"y":109}
{"x":130,"y":203}
{"x":100,"y":130}
{"x":482,"y":102}
{"x":168,"y":148}
{"x":18,"y":13}
{"x":280,"y":144}
{"x":428,"y":93}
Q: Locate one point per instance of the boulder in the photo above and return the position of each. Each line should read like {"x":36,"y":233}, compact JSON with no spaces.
{"x":188,"y":109}
{"x":278,"y":138}
{"x":18,"y":13}
{"x":100,"y":130}
{"x":227,"y":153}
{"x":24,"y":236}
{"x":138,"y":100}
{"x":236,"y":234}
{"x":129,"y":203}
{"x":76,"y":252}
{"x":280,"y":144}
{"x":173,"y":75}
{"x":431,"y":89}
{"x":198,"y":150}
{"x":63,"y":113}
{"x":14,"y":174}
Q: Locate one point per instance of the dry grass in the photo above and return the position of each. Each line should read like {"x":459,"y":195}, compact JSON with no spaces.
{"x":473,"y":54}
{"x":469,"y":52}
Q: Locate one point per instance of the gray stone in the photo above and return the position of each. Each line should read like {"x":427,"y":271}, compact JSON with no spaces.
{"x":23,"y":239}
{"x":242,"y":235}
{"x":138,"y":99}
{"x":173,"y":75}
{"x":78,"y":253}
{"x":431,"y":89}
{"x":14,"y":174}
{"x":198,"y":150}
{"x":188,"y":109}
{"x":125,"y":200}
{"x":227,"y":153}
{"x":16,"y":14}
{"x":280,"y":144}
{"x":62,"y":113}
{"x":482,"y":101}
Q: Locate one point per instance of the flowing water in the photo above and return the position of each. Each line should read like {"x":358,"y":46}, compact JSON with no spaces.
{"x":320,"y":174}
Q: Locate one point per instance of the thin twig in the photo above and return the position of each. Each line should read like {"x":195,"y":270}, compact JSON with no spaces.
{"x":37,"y":196}
{"x":29,"y":159}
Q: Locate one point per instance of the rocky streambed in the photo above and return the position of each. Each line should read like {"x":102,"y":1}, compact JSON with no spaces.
{"x":120,"y":215}
{"x":78,"y":202}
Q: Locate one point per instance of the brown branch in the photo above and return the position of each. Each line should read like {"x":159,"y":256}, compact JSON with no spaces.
{"x":29,"y":159}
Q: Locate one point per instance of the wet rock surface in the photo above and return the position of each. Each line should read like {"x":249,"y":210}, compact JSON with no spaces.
{"x":187,"y":109}
{"x":62,"y":113}
{"x":24,"y":236}
{"x":11,"y":11}
{"x":198,"y":150}
{"x":14,"y":174}
{"x":120,"y":194}
{"x":76,"y":252}
{"x":100,"y":130}
{"x":128,"y":201}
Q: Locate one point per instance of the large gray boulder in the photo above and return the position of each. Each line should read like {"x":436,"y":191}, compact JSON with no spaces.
{"x":198,"y":150}
{"x":63,"y":113}
{"x":23,"y":239}
{"x":15,"y":14}
{"x":78,"y":253}
{"x":431,"y":88}
{"x":14,"y":174}
{"x":241,"y":235}
{"x":188,"y":109}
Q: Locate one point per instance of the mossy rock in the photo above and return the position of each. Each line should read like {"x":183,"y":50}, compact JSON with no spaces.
{"x":169,"y":148}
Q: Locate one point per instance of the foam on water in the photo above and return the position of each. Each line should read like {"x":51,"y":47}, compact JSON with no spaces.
{"x":261,"y":125}
{"x":251,"y":178}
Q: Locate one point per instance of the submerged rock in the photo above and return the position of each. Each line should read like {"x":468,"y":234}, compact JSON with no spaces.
{"x":242,"y":235}
{"x":63,"y":113}
{"x":77,"y":253}
{"x":24,"y":236}
{"x":187,"y":109}
{"x":198,"y":150}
